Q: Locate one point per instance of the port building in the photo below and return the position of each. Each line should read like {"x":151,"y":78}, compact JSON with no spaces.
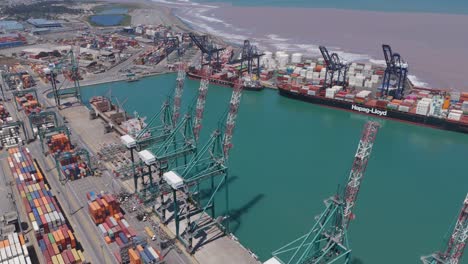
{"x":44,"y":23}
{"x":10,"y":26}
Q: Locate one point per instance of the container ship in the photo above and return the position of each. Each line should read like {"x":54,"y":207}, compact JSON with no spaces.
{"x":428,"y":107}
{"x":422,"y":110}
{"x":226,"y":79}
{"x":116,"y":117}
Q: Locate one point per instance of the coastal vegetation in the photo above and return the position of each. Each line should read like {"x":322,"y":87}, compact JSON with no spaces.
{"x":45,"y":9}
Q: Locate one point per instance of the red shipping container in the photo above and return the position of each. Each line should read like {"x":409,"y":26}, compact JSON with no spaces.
{"x":70,"y":256}
{"x":65,"y":257}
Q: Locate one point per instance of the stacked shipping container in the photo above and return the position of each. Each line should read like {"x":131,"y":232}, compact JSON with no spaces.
{"x":28,"y":103}
{"x":13,"y":250}
{"x":105,"y":212}
{"x":55,"y":238}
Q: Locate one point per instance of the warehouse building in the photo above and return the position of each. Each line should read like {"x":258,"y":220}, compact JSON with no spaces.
{"x":44,"y":23}
{"x":9,"y":26}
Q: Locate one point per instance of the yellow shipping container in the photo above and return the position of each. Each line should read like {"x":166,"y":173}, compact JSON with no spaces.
{"x":75,"y":254}
{"x":82,"y":258}
{"x":54,"y":260}
{"x":31,"y":217}
{"x":60,"y":259}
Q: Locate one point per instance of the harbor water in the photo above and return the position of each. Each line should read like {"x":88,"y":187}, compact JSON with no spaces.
{"x":289,"y":156}
{"x":111,"y":16}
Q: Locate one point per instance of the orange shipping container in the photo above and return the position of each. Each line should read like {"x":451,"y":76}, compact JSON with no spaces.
{"x":134,"y":257}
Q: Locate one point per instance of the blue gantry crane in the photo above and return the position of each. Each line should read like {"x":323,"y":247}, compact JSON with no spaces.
{"x":327,"y":241}
{"x":396,"y":73}
{"x":249,"y":57}
{"x":209,"y":51}
{"x":336,"y":69}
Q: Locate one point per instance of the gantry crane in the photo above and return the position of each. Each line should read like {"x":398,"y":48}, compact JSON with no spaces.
{"x":457,"y":242}
{"x":396,"y":71}
{"x":207,"y":48}
{"x":44,"y":120}
{"x":21,"y":93}
{"x":178,"y":92}
{"x":327,"y":241}
{"x":171,"y":43}
{"x":251,"y":56}
{"x":209,"y":165}
{"x":73,"y":67}
{"x":182,"y":140}
{"x":160,"y":126}
{"x":336,"y":69}
{"x":66,"y":158}
{"x":44,"y":135}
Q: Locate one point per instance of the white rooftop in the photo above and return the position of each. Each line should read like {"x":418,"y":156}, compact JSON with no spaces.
{"x":173,"y":179}
{"x":128,"y":141}
{"x":147,"y":157}
{"x":273,"y":260}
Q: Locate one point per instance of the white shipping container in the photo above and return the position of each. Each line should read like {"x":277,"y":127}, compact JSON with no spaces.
{"x":14,"y":253}
{"x":57,"y":219}
{"x":62,"y":219}
{"x":102,"y":229}
{"x":35,"y":226}
{"x":19,"y":249}
{"x":153,"y":252}
{"x":25,"y":250}
{"x":28,"y":260}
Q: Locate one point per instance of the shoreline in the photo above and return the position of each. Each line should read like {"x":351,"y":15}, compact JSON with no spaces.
{"x":430,"y":42}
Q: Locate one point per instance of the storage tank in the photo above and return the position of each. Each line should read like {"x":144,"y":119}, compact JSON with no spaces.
{"x":283,"y":60}
{"x":278,"y":54}
{"x":296,"y":58}
{"x":267,"y":55}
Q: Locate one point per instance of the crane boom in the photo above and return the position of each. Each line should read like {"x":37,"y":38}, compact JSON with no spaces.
{"x":201,"y":100}
{"x":232,"y":116}
{"x":327,"y":241}
{"x":178,"y":93}
{"x":457,"y":242}
{"x":357,"y":171}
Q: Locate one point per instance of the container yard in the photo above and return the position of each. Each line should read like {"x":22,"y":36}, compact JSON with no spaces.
{"x":54,"y":236}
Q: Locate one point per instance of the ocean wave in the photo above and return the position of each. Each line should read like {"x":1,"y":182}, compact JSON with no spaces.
{"x":183,"y":3}
{"x":275,"y":37}
{"x":235,"y":38}
{"x":417,"y":82}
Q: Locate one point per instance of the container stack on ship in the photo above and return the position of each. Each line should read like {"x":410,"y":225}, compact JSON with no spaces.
{"x":369,"y":89}
{"x":115,"y":117}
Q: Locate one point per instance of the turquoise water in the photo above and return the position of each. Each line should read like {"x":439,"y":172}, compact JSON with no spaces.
{"x":109,"y":17}
{"x":289,"y":156}
{"x":433,"y":6}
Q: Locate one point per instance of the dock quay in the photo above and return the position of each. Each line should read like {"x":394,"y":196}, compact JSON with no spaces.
{"x":90,"y":134}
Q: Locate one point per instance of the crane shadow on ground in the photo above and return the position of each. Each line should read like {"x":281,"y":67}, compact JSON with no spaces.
{"x":203,"y":195}
{"x":235,"y":215}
